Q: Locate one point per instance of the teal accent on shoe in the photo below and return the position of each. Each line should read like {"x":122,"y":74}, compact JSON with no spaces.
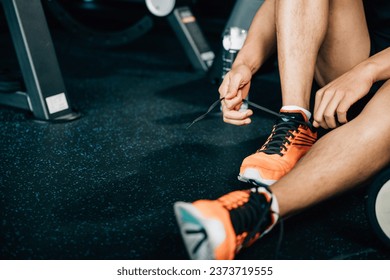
{"x":188,"y":218}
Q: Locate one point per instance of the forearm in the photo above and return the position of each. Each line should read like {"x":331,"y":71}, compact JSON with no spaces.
{"x":378,"y":66}
{"x":261,"y":39}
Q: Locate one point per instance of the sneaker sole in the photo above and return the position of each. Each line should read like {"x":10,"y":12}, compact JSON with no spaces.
{"x":200,"y":235}
{"x":252,"y":174}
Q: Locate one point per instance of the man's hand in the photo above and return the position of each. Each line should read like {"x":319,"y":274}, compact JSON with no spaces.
{"x":333,"y":101}
{"x":234,"y":89}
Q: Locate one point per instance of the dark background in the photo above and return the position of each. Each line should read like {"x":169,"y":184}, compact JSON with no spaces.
{"x":103,"y":187}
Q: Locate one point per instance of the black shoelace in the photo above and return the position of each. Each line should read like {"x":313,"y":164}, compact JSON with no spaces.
{"x":221,"y":99}
{"x":252,"y":219}
{"x":281,"y":133}
{"x":263,"y":218}
{"x":255,"y":216}
{"x":251,"y":216}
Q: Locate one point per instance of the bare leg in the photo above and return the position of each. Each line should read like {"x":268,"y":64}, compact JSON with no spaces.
{"x":341,"y":159}
{"x":314,"y":39}
{"x":301,"y":27}
{"x":318,"y":38}
{"x":346,"y":43}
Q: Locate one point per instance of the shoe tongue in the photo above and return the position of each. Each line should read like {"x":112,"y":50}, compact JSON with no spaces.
{"x":296,"y":115}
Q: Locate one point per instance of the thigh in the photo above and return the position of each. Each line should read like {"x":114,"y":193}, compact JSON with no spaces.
{"x":347,"y":41}
{"x":377,"y":108}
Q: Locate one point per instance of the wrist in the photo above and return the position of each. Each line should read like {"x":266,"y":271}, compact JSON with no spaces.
{"x":240,"y":63}
{"x":247,"y":60}
{"x":370,"y":70}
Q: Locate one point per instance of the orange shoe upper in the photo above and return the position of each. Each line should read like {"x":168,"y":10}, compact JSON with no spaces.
{"x":219,"y":210}
{"x":212,"y":209}
{"x":274,"y":166}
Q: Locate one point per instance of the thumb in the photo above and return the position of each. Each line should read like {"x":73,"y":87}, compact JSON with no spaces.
{"x":234,"y":85}
{"x":316,"y":124}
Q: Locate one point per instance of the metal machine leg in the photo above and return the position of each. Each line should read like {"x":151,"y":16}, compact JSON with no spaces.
{"x":45,"y":95}
{"x":191,"y":37}
{"x":187,"y":30}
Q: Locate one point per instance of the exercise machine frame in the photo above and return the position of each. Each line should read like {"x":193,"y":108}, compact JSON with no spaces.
{"x":46,"y":96}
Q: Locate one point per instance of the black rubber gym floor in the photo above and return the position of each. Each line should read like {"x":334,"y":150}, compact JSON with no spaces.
{"x":103,"y":187}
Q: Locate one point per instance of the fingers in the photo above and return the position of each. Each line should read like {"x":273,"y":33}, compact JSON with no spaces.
{"x":230,"y":85}
{"x":321,"y":101}
{"x":236,"y":79}
{"x":234,"y":89}
{"x":223,"y":87}
{"x":235,"y":86}
{"x":325,"y":114}
{"x":342,"y":111}
{"x":234,"y":102}
{"x":236,"y":117}
{"x":316,"y":124}
{"x":318,"y":100}
{"x":330,"y":108}
{"x":231,"y":113}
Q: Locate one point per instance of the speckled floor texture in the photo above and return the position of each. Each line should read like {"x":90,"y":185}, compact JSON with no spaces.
{"x":103,"y":187}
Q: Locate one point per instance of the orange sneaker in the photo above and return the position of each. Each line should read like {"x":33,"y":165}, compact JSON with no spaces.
{"x":291,"y":137}
{"x":219,"y":229}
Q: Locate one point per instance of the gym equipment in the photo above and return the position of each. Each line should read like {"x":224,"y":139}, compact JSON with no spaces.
{"x":186,"y":28}
{"x":102,"y":23}
{"x":160,"y":8}
{"x":243,"y":13}
{"x":180,"y":18}
{"x":10,"y":82}
{"x":45,"y":96}
{"x":378,"y":206}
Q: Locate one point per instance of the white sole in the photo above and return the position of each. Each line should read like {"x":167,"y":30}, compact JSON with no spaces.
{"x":252,"y":174}
{"x":200,"y":235}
